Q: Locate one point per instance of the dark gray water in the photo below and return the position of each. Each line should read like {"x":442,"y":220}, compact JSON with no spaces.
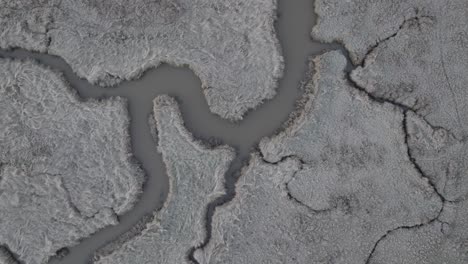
{"x":296,"y":18}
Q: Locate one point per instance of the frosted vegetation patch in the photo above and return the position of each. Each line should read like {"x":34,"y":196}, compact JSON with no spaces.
{"x":65,"y":164}
{"x":196,"y":174}
{"x":230,"y":45}
{"x":329,"y":187}
{"x":415,"y":54}
{"x":424,"y":67}
{"x":421,"y":66}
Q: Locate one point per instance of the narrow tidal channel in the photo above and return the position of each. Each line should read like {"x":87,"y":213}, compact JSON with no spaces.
{"x":294,"y":24}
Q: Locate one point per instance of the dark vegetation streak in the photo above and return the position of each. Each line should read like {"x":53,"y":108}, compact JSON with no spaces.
{"x":5,"y":251}
{"x":430,"y":182}
{"x":289,"y":195}
{"x":409,"y":21}
{"x":413,"y":160}
{"x":389,"y":232}
{"x":294,"y":199}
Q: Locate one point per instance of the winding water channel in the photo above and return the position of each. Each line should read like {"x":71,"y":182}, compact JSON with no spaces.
{"x":295,"y":21}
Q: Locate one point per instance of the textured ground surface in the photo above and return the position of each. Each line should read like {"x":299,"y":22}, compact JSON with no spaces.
{"x":329,"y":187}
{"x":196,"y":175}
{"x":414,"y":54}
{"x":361,"y":24}
{"x":231,"y":46}
{"x":65,"y":164}
{"x":371,"y":169}
{"x":422,"y":66}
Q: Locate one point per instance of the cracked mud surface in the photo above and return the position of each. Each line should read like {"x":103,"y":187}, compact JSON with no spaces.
{"x":231,"y":46}
{"x":370,"y":168}
{"x":65,"y":165}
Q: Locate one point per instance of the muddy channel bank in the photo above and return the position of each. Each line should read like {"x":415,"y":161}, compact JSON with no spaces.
{"x":294,"y":24}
